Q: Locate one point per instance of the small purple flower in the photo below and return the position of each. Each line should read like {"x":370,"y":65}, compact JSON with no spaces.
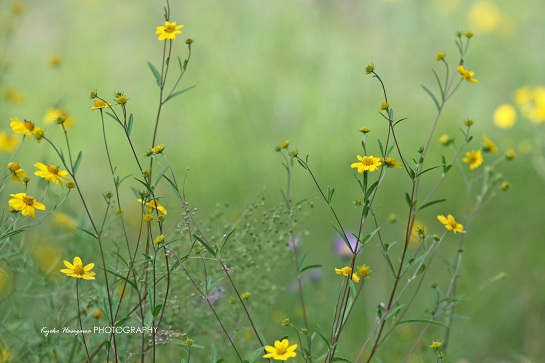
{"x":340,"y":247}
{"x":216,"y":294}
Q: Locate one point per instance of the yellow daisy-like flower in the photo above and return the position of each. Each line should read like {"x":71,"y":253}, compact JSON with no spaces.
{"x":168,"y":31}
{"x":51,"y":173}
{"x":8,"y":142}
{"x":489,"y":145}
{"x":435,"y":345}
{"x":347,"y":271}
{"x":474,"y":158}
{"x":98,"y":104}
{"x":25,"y":127}
{"x":159,"y":239}
{"x":281,"y":350}
{"x":38,"y":133}
{"x":367,"y":163}
{"x":392,"y":163}
{"x":154,"y":204}
{"x":440,"y":56}
{"x":17,"y":174}
{"x":77,"y":270}
{"x":450,"y":223}
{"x":26,"y":204}
{"x":364,"y":271}
{"x":466,"y":74}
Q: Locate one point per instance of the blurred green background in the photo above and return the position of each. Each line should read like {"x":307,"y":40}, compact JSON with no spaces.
{"x":269,"y":71}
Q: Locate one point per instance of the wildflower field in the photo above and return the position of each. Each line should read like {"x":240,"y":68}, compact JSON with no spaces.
{"x":291,"y":180}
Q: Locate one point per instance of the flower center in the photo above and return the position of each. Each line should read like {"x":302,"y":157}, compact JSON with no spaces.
{"x":29,"y":125}
{"x":14,"y":166}
{"x":28,"y":200}
{"x":170,"y":28}
{"x":52,"y":169}
{"x":78,"y":270}
{"x":281,"y":350}
{"x":367,"y":161}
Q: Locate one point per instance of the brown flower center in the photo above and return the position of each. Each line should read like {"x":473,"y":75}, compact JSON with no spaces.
{"x":29,"y":125}
{"x":28,"y":200}
{"x":78,"y":270}
{"x":170,"y":28}
{"x":53,"y":169}
{"x":281,"y":350}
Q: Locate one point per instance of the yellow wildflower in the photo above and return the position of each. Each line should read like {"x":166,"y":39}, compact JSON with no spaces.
{"x":154,"y":204}
{"x":8,"y":142}
{"x":51,"y":173}
{"x":489,"y":145}
{"x":38,"y":133}
{"x":14,"y":97}
{"x":435,"y":345}
{"x":392,"y":163}
{"x":364,"y":271}
{"x":347,"y":271}
{"x":99,"y":103}
{"x":474,"y":158}
{"x":26,"y":204}
{"x":450,"y":223}
{"x":466,"y":74}
{"x":511,"y":154}
{"x":55,"y":61}
{"x":370,"y":68}
{"x":158,"y":149}
{"x":19,"y":127}
{"x":77,"y":270}
{"x":58,"y":115}
{"x":440,"y":56}
{"x":159,"y":239}
{"x":168,"y":31}
{"x":281,"y":350}
{"x":505,"y":116}
{"x":446,"y":139}
{"x":245,"y":296}
{"x":367,"y":163}
{"x":17,"y":174}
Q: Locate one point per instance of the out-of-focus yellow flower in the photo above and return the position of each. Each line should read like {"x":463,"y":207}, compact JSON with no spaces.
{"x":46,"y":255}
{"x":484,"y":16}
{"x":65,"y":221}
{"x":8,"y":142}
{"x":55,"y":61}
{"x":54,"y":113}
{"x":505,"y":116}
{"x":14,"y":97}
{"x":5,"y":280}
{"x":489,"y":145}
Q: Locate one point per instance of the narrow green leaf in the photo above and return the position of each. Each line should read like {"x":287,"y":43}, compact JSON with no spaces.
{"x":309,"y":267}
{"x":400,"y":120}
{"x":330,"y":192}
{"x":114,"y":117}
{"x":343,"y":236}
{"x":123,"y":278}
{"x":430,"y":168}
{"x":393,"y":311}
{"x":92,"y":234}
{"x":129,"y":125}
{"x":174,"y":94}
{"x":205,"y":245}
{"x":156,"y":74}
{"x":78,"y":161}
{"x":408,"y":199}
{"x":431,"y":203}
{"x":432,"y":96}
{"x":340,"y":359}
{"x":225,"y":239}
{"x":427,"y":321}
{"x":121,"y":321}
{"x":380,"y":147}
{"x":439,"y":83}
{"x":157,"y":310}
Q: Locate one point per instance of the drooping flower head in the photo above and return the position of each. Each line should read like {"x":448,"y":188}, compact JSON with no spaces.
{"x":51,"y":173}
{"x":466,"y":74}
{"x":450,"y":223}
{"x":168,"y":31}
{"x":281,"y":350}
{"x":77,"y":270}
{"x":367,"y":163}
{"x":347,"y":271}
{"x":154,"y":204}
{"x":26,"y":204}
{"x":392,"y":163}
{"x":17,"y":174}
{"x":8,"y":142}
{"x":489,"y":145}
